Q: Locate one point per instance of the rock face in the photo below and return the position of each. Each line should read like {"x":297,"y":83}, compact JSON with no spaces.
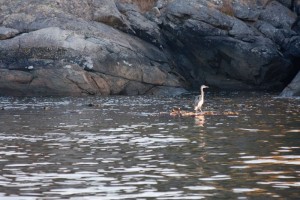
{"x":6,"y":33}
{"x":103,"y":47}
{"x":293,"y":89}
{"x":66,"y":49}
{"x":232,"y":45}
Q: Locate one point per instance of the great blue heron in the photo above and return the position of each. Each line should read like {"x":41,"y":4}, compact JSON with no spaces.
{"x":199,"y":100}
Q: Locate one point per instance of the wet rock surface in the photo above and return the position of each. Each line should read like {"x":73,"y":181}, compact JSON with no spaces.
{"x":100,"y":47}
{"x":293,"y":89}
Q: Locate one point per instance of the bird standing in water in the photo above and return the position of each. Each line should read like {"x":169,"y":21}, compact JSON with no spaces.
{"x":199,"y":100}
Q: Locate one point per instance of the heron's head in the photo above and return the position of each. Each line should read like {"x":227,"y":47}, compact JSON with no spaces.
{"x":203,"y":86}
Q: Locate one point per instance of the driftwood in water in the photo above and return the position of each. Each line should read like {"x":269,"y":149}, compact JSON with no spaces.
{"x":183,"y":113}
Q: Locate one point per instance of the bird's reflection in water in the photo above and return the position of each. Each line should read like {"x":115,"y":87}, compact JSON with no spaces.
{"x":199,"y":120}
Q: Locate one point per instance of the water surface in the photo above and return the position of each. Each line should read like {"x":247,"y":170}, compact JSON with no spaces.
{"x":125,"y":148}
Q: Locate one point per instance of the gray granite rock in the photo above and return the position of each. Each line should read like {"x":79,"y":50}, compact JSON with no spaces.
{"x":102,"y":47}
{"x":293,"y":89}
{"x":221,"y":46}
{"x":6,"y":33}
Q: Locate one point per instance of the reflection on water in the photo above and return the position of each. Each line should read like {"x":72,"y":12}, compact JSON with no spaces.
{"x":200,"y":120}
{"x":122,"y":148}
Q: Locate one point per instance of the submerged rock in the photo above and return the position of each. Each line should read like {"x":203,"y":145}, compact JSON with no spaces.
{"x":132,"y":47}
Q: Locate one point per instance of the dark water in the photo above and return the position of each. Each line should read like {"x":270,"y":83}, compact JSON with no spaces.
{"x":121,"y":148}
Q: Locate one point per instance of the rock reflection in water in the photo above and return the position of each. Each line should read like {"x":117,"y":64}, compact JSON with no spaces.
{"x":122,"y":148}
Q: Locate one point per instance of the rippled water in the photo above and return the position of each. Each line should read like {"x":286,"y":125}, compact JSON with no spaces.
{"x":122,"y":148}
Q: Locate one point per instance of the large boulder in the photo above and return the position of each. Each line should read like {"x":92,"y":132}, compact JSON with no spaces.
{"x":62,"y":51}
{"x":143,"y":18}
{"x":218,"y":44}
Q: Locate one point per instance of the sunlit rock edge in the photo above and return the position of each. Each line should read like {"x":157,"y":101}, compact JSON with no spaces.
{"x":293,"y":89}
{"x":104,"y":47}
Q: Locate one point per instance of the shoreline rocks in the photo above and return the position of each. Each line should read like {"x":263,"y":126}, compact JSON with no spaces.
{"x":293,"y":89}
{"x":157,"y":47}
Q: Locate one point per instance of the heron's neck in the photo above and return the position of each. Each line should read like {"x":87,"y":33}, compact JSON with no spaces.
{"x":202,"y":93}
